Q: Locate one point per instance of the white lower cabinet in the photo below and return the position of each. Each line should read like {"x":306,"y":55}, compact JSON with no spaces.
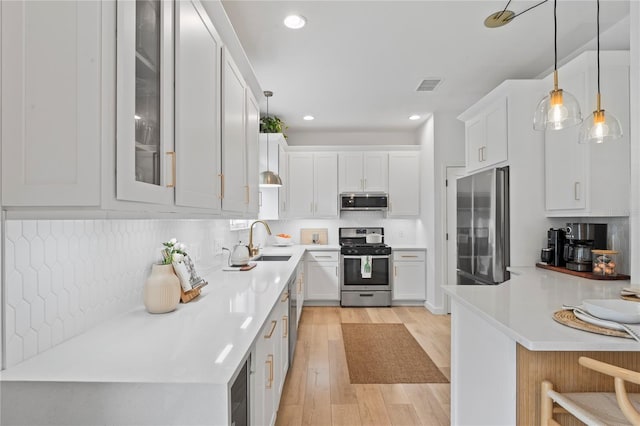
{"x":270,"y":363}
{"x":409,"y":275}
{"x":300,"y":287}
{"x":322,"y":276}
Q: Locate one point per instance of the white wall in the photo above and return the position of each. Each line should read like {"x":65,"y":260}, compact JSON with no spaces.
{"x":314,"y":138}
{"x":634,"y":218}
{"x":62,"y":277}
{"x":448,"y":149}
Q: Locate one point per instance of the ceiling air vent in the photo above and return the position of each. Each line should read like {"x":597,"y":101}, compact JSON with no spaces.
{"x":428,"y":85}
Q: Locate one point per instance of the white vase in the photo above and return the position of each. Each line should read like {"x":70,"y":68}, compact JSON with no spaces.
{"x":161,"y":290}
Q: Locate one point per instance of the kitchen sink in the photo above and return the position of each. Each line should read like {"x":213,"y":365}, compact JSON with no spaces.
{"x":268,"y":258}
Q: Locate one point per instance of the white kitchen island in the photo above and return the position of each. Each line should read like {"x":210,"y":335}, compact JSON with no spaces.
{"x":145,"y":369}
{"x":504,"y":341}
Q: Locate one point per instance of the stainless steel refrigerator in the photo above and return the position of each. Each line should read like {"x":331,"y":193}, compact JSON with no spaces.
{"x":483,"y":227}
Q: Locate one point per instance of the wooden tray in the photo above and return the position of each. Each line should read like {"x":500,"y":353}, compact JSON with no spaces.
{"x":631,"y":298}
{"x":588,"y":275}
{"x":188,"y":296}
{"x":567,"y":317}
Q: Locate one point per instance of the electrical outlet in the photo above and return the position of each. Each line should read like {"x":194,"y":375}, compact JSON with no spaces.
{"x":217,"y":246}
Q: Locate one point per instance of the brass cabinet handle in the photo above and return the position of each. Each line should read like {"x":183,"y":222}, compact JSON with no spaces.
{"x":173,"y":169}
{"x":395,"y":271}
{"x":406,"y":256}
{"x":221,"y":196}
{"x":285,"y":297}
{"x":270,"y":362}
{"x":273,"y":327}
{"x":285,"y":322}
{"x":365,"y":183}
{"x":300,"y":285}
{"x":576,"y":191}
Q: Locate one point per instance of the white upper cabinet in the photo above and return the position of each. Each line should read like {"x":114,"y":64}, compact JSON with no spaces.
{"x":252,"y":129}
{"x":486,"y":134}
{"x":312,"y":184}
{"x":146,"y":160}
{"x":197,"y":112}
{"x":234,"y":192}
{"x":404,"y":184}
{"x":51,"y":103}
{"x":300,"y":184}
{"x":363,"y":171}
{"x":591,"y":179}
{"x":325,"y":184}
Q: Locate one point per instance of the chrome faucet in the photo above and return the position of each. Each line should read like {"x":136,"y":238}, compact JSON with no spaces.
{"x":253,"y":251}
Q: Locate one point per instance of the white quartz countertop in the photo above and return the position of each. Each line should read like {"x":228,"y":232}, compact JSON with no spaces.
{"x":522,"y":308}
{"x":183,"y":346}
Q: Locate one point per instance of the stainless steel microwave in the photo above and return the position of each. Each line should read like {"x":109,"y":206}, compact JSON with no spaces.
{"x":363,"y":201}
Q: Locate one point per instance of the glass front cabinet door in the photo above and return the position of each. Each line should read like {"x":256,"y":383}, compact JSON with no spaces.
{"x":146,"y":160}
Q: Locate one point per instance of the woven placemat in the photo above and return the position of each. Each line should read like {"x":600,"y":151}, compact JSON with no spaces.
{"x":568,"y":318}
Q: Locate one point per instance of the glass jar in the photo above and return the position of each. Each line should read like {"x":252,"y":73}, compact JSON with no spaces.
{"x":605,"y":262}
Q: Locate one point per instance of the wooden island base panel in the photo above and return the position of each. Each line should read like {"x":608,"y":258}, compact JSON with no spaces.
{"x":562,"y":369}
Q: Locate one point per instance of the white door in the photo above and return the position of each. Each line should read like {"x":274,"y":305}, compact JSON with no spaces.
{"x":325,"y":184}
{"x":51,"y":103}
{"x":234,"y":193}
{"x":145,"y":151}
{"x":375,"y":174}
{"x":198,"y":54}
{"x":300,"y":185}
{"x":453,"y":173}
{"x":350,"y":172}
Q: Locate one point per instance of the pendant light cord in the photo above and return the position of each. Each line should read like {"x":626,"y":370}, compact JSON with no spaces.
{"x":555,"y":37}
{"x":505,"y":9}
{"x":267,"y":132}
{"x":526,"y":10}
{"x":598,"y":44}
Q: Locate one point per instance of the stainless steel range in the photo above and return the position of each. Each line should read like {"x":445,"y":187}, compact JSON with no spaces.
{"x":365,"y":267}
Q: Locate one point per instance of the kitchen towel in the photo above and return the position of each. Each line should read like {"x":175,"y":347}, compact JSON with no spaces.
{"x":365,"y":266}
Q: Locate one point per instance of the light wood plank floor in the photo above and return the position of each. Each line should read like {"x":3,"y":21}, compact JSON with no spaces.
{"x":317,"y":390}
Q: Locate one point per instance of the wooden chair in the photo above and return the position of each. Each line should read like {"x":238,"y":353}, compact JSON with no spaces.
{"x":595,"y":408}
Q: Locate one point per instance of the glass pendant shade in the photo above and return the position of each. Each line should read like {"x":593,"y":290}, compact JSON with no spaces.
{"x":600,"y":128}
{"x":557,"y":111}
{"x":270,"y":179}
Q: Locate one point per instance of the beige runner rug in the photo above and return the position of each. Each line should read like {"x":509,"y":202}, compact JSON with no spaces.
{"x":387,"y":353}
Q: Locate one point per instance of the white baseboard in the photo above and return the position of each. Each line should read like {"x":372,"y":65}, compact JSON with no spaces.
{"x":436,"y":310}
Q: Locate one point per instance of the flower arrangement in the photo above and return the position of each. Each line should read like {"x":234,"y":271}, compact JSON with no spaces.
{"x":173,"y":251}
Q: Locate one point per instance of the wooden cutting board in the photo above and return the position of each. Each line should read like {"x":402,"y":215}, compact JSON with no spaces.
{"x":306,"y":236}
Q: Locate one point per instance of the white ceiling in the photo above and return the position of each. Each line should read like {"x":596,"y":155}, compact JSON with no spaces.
{"x":356,"y":64}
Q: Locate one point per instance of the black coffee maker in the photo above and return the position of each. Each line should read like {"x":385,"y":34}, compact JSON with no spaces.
{"x":581,"y":238}
{"x":553,"y":254}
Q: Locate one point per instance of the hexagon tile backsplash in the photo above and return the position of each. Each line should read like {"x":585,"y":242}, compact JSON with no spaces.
{"x":64,"y":276}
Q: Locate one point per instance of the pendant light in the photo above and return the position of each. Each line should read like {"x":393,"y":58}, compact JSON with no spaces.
{"x":600,"y":128}
{"x":560,"y":109}
{"x":269,"y":178}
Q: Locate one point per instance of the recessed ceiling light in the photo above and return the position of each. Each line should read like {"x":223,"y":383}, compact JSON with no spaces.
{"x":295,"y":22}
{"x":308,"y":117}
{"x":414,"y":117}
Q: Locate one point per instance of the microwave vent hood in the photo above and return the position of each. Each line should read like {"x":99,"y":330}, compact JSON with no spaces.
{"x":364,"y":201}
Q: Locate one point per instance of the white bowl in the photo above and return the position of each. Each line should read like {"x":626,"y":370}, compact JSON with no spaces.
{"x":282,"y":241}
{"x":625,"y":311}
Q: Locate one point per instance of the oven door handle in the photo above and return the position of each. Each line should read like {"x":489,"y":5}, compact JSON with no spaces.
{"x":366,"y":255}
